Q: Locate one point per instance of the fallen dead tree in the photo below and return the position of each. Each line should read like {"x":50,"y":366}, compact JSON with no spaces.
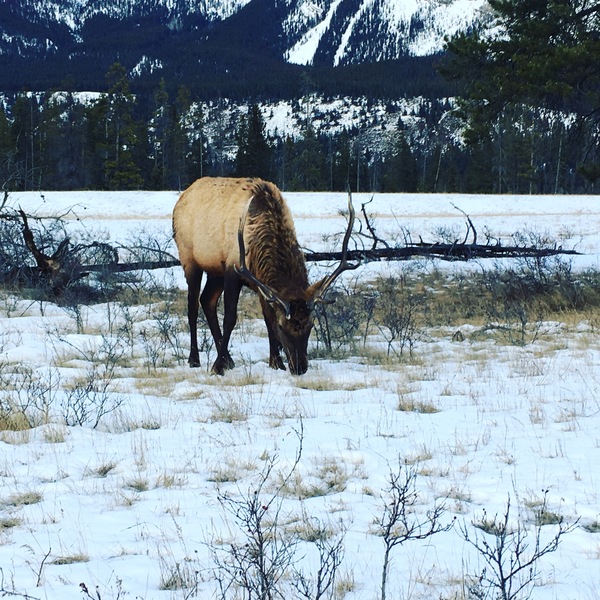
{"x":442,"y":251}
{"x":29,"y":261}
{"x":380,"y":250}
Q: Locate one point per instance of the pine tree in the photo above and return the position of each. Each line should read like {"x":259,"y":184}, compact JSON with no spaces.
{"x":63,"y":143}
{"x":306,"y":164}
{"x":121,"y":134}
{"x":181,"y":130}
{"x":199,"y":152}
{"x":254,"y":155}
{"x":25,"y":134}
{"x":543,"y":54}
{"x":7,"y":153}
{"x":342,"y":165}
{"x":161,"y":135}
{"x":401,"y":168}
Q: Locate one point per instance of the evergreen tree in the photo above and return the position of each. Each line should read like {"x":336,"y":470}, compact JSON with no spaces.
{"x":7,"y":153}
{"x":401,"y":168}
{"x":254,"y":155}
{"x":306,"y":164}
{"x":242,"y":157}
{"x":63,"y":143}
{"x":121,"y":139}
{"x":160,"y":131}
{"x":540,"y":53}
{"x":50,"y":145}
{"x":342,"y":164}
{"x":182,"y":129}
{"x":25,"y":135}
{"x":199,"y":152}
{"x":479,"y":168}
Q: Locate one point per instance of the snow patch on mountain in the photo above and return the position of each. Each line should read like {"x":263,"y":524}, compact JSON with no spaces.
{"x":380,"y":29}
{"x":74,"y":13}
{"x":319,"y":32}
{"x":303,"y":51}
{"x":146,"y":65}
{"x":444,"y":19}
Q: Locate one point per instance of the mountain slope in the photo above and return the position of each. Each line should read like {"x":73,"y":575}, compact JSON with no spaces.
{"x":350,"y":31}
{"x":204,"y":40}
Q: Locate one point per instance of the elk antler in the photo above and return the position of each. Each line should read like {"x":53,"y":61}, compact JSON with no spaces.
{"x":343,"y":266}
{"x":268,"y":293}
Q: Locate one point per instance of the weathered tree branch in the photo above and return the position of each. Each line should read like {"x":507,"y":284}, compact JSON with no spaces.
{"x":448,"y":252}
{"x":69,"y":264}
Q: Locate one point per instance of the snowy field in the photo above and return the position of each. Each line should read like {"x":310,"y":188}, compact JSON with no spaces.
{"x":131,"y":508}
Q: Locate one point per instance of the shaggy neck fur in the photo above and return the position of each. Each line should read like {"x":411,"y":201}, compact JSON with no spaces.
{"x":273,"y":252}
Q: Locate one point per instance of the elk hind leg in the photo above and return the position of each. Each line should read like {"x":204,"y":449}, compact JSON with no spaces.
{"x":209,"y":299}
{"x":232,"y":289}
{"x":193,"y":277}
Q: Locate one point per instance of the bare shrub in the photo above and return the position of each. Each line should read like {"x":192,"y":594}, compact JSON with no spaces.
{"x":329,"y":547}
{"x":26,"y":396}
{"x":108,"y":350}
{"x":339,"y":322}
{"x":89,"y":398}
{"x":396,"y":313}
{"x":162,"y":340}
{"x":511,"y":308}
{"x":169,"y":328}
{"x":259,"y":564}
{"x":398,"y":522}
{"x":511,"y":554}
{"x":519,"y":297}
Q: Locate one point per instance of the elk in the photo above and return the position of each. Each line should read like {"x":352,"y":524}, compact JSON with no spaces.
{"x":240,"y":232}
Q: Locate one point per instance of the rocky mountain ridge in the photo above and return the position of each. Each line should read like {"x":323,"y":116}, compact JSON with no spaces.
{"x":219,"y":37}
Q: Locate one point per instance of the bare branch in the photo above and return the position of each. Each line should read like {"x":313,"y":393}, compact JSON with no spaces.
{"x":371,"y":227}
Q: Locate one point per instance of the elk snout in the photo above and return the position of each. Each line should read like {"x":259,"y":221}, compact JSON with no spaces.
{"x":297,"y":358}
{"x":298,"y":365}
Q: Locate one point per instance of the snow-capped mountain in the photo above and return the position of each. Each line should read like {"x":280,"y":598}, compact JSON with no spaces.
{"x":350,"y":31}
{"x":220,"y":36}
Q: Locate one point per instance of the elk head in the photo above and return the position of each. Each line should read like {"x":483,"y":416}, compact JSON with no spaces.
{"x":288,"y":313}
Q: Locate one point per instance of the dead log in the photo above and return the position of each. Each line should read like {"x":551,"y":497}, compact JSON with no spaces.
{"x":68,"y":264}
{"x":448,"y":252}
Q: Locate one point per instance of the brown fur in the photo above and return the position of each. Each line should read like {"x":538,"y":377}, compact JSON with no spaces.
{"x":206,"y":220}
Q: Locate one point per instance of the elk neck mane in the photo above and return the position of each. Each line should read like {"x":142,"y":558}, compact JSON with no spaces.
{"x":273,"y":252}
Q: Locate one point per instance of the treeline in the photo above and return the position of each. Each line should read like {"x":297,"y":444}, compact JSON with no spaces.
{"x":165,"y":140}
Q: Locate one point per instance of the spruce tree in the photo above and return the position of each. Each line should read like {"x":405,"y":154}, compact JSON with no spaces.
{"x":254,"y":155}
{"x":198,"y":162}
{"x":401,"y":168}
{"x":63,"y":143}
{"x":121,"y":134}
{"x":25,"y":134}
{"x":161,"y":125}
{"x":538,"y":53}
{"x":181,"y":130}
{"x":7,"y":153}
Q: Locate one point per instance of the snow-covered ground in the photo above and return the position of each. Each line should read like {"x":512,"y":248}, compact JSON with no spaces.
{"x":129,"y":506}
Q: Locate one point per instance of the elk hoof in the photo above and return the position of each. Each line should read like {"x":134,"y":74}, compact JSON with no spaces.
{"x":275,"y":362}
{"x":222,"y":364}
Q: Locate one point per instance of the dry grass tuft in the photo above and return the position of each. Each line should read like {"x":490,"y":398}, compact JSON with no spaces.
{"x":71,"y":559}
{"x":24,"y":499}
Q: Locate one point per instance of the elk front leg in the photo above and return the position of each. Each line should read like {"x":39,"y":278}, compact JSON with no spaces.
{"x":275,"y":360}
